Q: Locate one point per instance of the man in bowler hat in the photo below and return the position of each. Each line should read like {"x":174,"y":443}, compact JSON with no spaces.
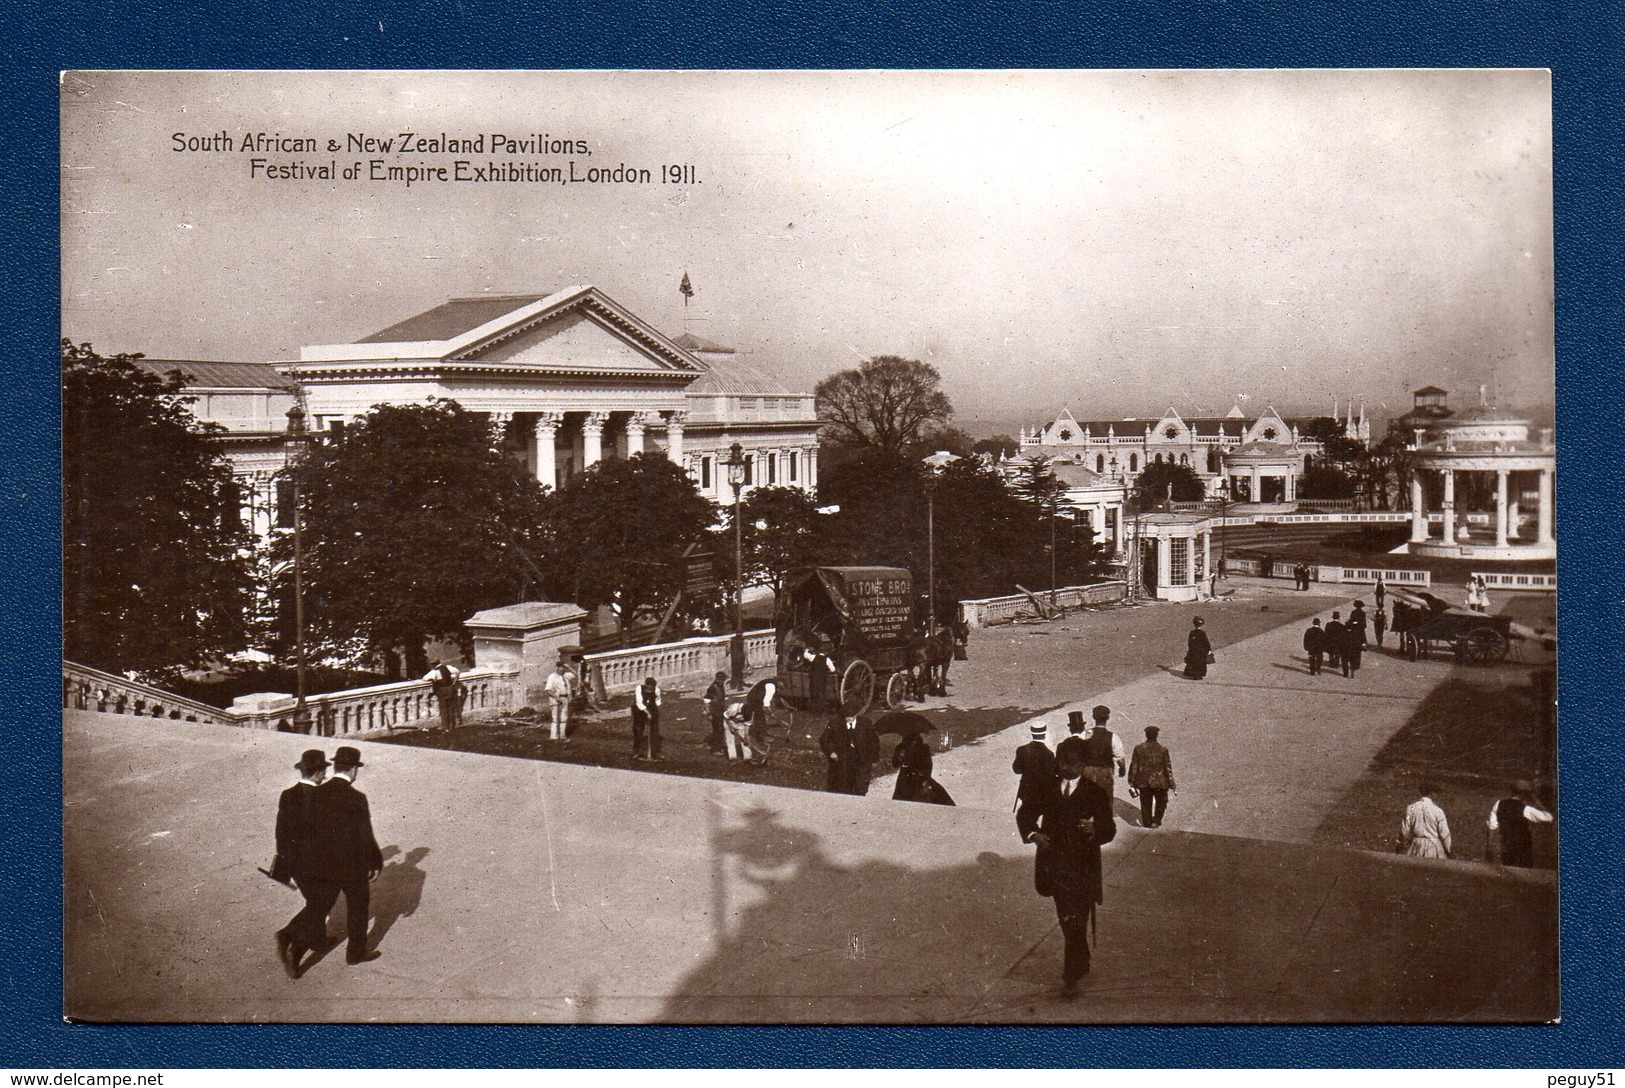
{"x":298,"y":827}
{"x":1069,"y":823}
{"x":346,"y":857}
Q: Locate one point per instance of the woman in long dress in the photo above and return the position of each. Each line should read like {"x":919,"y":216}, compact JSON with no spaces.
{"x":1197,"y":648}
{"x":1425,"y":833}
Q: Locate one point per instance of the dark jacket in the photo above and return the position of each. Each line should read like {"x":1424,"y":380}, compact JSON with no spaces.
{"x":1197,"y":647}
{"x":1314,"y":640}
{"x":850,"y":753}
{"x":1151,"y":767}
{"x":1077,"y":826}
{"x":345,"y":850}
{"x":297,"y":829}
{"x":1035,"y":763}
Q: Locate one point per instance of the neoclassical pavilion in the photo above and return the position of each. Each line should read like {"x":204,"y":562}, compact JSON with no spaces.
{"x":1484,"y":440}
{"x":1176,"y":554}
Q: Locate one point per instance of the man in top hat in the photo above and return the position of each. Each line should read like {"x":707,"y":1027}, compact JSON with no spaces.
{"x":1069,"y":822}
{"x":298,"y":827}
{"x":1151,"y":776}
{"x":345,"y":857}
{"x":1511,"y":826}
{"x":1034,"y":762}
{"x":1102,"y":749}
{"x":1335,"y":643}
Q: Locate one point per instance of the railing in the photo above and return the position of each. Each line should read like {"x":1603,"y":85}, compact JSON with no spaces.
{"x":355,"y":712}
{"x":1300,"y":519}
{"x":623,"y":670}
{"x":1368,"y":575}
{"x":988,"y":611}
{"x":1528,"y":583}
{"x":85,"y":688}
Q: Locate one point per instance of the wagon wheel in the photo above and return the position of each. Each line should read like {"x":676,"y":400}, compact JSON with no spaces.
{"x":896,"y":690}
{"x":1485,"y":646}
{"x":857,"y":687}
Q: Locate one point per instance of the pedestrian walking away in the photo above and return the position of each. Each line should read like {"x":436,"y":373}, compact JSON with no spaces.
{"x":646,"y":719}
{"x":346,"y":858}
{"x":1151,"y":778}
{"x":850,"y":749}
{"x":1380,"y":592}
{"x":558,"y":699}
{"x":1103,"y":750}
{"x":1334,"y":643}
{"x":1035,"y":763}
{"x":1424,"y":832}
{"x":716,"y":705}
{"x":1379,"y":623}
{"x":298,"y":826}
{"x":1511,"y":827}
{"x":1069,"y":823}
{"x":1198,"y":651}
{"x":1354,"y":639}
{"x":1314,"y":644}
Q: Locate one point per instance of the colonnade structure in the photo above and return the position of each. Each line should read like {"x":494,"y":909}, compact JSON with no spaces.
{"x":1175,"y":555}
{"x":569,"y":378}
{"x":1485,"y":441}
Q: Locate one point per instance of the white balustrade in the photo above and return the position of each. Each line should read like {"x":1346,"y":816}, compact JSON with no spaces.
{"x":989,"y":611}
{"x":1526,"y":583}
{"x":623,"y":670}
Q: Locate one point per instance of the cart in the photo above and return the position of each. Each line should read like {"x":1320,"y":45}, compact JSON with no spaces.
{"x":862,"y":620}
{"x":1422,"y":619}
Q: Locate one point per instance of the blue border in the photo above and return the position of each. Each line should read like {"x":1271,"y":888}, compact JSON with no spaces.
{"x":1580,"y":41}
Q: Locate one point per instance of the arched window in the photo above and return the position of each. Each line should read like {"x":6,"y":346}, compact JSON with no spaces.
{"x":1134,"y":462}
{"x":1185,"y":459}
{"x":1100,"y":462}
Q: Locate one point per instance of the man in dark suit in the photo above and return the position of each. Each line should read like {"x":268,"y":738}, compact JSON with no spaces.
{"x":1314,"y":644}
{"x":297,"y":830}
{"x":346,"y":857}
{"x":850,"y":749}
{"x":1334,"y":643}
{"x":1035,"y":763}
{"x":1070,"y":821}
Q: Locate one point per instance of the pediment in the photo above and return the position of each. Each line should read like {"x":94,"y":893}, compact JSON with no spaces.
{"x":577,"y":340}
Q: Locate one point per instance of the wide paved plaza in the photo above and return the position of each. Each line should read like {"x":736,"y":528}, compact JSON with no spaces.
{"x":527,"y":890}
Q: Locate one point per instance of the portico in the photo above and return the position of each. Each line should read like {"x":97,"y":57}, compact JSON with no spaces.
{"x":1263,"y":471}
{"x":1483,"y":441}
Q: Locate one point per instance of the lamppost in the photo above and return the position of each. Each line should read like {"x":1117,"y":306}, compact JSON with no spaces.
{"x":934,"y":464}
{"x":736,"y":479}
{"x":295,"y":444}
{"x":1224,"y":510}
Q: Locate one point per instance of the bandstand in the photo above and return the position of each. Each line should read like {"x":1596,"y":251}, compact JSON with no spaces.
{"x":1484,"y":440}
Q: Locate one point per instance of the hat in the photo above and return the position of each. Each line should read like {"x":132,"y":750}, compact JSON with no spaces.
{"x":313,"y":760}
{"x":1151,"y":732}
{"x":347,"y":757}
{"x":1074,"y":720}
{"x":721,"y":675}
{"x":1315,"y":622}
{"x":1072,"y":750}
{"x":1102,"y":712}
{"x":1197,"y":622}
{"x":1039,"y":730}
{"x":1359,"y":604}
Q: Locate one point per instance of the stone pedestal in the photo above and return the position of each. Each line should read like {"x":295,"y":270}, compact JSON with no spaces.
{"x":526,"y":637}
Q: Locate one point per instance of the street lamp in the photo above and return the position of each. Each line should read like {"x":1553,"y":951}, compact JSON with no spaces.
{"x":934,"y":465}
{"x":295,"y":444}
{"x":736,"y":479}
{"x":1224,"y":509}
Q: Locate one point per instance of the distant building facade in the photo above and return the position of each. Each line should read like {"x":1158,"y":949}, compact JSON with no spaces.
{"x":1260,"y":459}
{"x":571,"y":377}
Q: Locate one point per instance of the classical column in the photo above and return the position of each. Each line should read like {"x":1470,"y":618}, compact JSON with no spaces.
{"x":1449,"y":506}
{"x":1500,"y":508}
{"x":1190,"y":562}
{"x":1291,"y":486}
{"x":812,"y":469}
{"x":1257,"y":492}
{"x":1097,"y":523}
{"x":1419,"y":513}
{"x":592,"y":438}
{"x":547,"y":430}
{"x":1165,"y":576}
{"x":635,"y":425}
{"x":1543,"y":516}
{"x":499,"y":424}
{"x":674,"y":436}
{"x":1207,"y":551}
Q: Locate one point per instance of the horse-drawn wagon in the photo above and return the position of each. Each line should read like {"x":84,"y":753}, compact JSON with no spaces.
{"x":845,"y":633}
{"x":1422,"y":619}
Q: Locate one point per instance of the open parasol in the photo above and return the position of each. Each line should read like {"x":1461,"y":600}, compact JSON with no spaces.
{"x":905,"y":723}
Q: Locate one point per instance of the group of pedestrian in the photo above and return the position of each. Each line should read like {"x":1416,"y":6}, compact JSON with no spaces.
{"x":1478,"y":594}
{"x":1340,"y":643}
{"x":1064,"y":808}
{"x":1425,"y":829}
{"x":1300,"y":576}
{"x":325,"y":847}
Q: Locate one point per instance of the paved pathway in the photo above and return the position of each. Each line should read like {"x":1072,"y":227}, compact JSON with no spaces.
{"x":526,"y":891}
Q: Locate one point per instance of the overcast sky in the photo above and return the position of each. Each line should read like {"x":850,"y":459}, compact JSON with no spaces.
{"x":1112,"y":242}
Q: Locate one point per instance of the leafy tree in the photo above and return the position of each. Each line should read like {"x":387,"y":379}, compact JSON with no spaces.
{"x":885,"y":405}
{"x":948,"y":439}
{"x":1000,"y":445}
{"x":413,"y":521}
{"x":156,"y":561}
{"x":782,"y":530}
{"x":617,"y":532}
{"x":1167,"y":480}
{"x":1326,"y":481}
